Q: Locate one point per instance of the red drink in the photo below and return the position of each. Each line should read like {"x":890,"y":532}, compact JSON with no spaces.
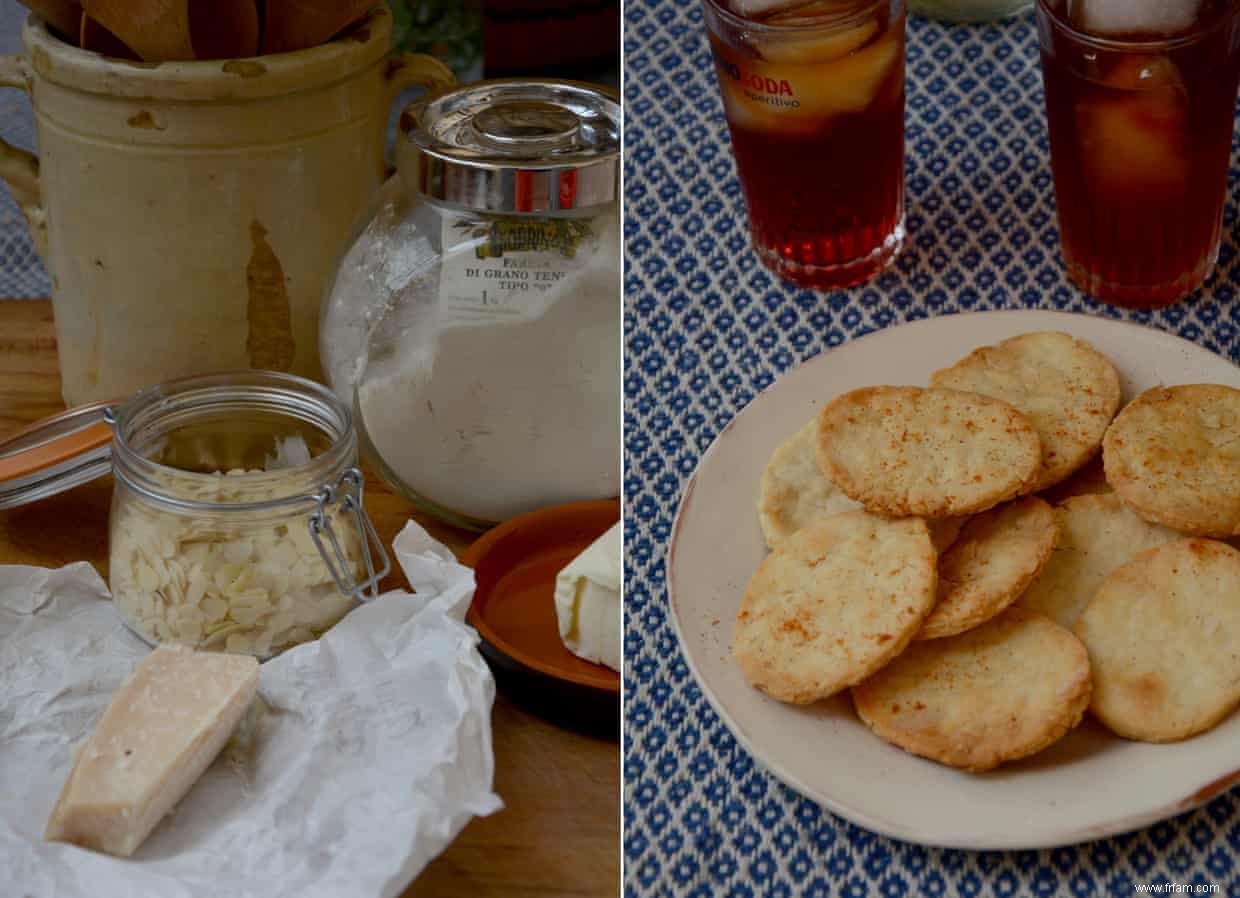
{"x":1140,"y":118}
{"x":815,"y":102}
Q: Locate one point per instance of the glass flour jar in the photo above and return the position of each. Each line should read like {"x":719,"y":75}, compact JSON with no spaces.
{"x":474,"y":324}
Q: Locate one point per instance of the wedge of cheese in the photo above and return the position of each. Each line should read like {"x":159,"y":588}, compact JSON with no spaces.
{"x":587,"y":601}
{"x":163,"y":728}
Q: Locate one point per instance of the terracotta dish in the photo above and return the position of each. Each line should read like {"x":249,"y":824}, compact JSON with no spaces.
{"x":514,"y":611}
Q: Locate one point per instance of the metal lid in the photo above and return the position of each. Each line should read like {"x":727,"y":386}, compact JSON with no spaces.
{"x":515,"y":145}
{"x":55,"y":454}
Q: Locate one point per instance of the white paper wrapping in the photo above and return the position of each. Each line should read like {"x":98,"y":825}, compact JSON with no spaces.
{"x":372,"y":753}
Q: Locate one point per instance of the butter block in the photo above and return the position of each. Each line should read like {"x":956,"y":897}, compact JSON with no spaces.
{"x":587,"y":601}
{"x":162,"y":729}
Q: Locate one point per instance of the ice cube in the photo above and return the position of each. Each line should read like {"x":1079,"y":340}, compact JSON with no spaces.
{"x":813,"y":46}
{"x":798,"y":97}
{"x":792,"y":13}
{"x":1155,"y":74}
{"x":851,"y":83}
{"x":1122,"y":17}
{"x":760,"y":9}
{"x":1135,"y":145}
{"x":746,"y":109}
{"x":815,"y":12}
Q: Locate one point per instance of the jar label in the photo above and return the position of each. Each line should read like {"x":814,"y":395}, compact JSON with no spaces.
{"x":498,"y":268}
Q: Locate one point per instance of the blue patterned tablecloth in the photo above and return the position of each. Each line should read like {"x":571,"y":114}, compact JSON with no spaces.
{"x":707,"y":327}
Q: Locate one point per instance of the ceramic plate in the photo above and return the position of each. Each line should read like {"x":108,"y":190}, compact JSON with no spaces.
{"x":1088,"y":785}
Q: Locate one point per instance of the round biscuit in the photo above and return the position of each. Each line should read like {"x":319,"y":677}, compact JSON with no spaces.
{"x":794,"y":491}
{"x":832,"y":603}
{"x":1097,"y":534}
{"x":945,"y":531}
{"x":1067,"y":389}
{"x":997,"y":555}
{"x":1001,"y":691}
{"x":1173,"y":455}
{"x":926,"y":452}
{"x":1163,"y":633}
{"x":1089,"y":480}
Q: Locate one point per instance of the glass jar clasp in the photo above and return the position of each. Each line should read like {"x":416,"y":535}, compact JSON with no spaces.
{"x":348,"y":491}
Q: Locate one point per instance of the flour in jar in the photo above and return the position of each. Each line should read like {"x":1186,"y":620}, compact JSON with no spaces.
{"x":495,"y":387}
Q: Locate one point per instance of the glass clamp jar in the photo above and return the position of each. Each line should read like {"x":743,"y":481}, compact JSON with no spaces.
{"x":237,"y":521}
{"x":474,"y":324}
{"x":351,"y":488}
{"x":347,"y":492}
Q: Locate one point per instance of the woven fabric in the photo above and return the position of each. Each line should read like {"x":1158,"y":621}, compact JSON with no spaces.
{"x":707,"y":327}
{"x":21,"y":272}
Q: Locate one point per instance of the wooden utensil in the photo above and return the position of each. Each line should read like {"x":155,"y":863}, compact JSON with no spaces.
{"x":94,"y":37}
{"x":223,"y":29}
{"x":63,"y":15}
{"x":298,"y":24}
{"x":157,"y":30}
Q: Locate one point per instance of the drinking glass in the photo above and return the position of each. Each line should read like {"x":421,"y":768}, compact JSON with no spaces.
{"x":814,"y":96}
{"x":1140,"y":110}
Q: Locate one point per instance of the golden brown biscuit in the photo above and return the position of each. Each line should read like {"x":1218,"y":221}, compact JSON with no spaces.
{"x":931,"y":453}
{"x":1091,"y":480}
{"x":993,"y":561}
{"x":794,"y":491}
{"x":1001,"y":691}
{"x":1163,"y":634}
{"x":1173,"y":455}
{"x":1067,"y":389}
{"x":1097,"y":533}
{"x":945,"y":531}
{"x":832,"y":603}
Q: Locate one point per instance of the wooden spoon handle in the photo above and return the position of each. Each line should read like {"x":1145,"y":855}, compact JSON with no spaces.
{"x":157,"y":30}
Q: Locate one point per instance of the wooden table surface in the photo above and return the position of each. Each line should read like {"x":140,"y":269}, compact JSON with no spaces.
{"x":559,"y":832}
